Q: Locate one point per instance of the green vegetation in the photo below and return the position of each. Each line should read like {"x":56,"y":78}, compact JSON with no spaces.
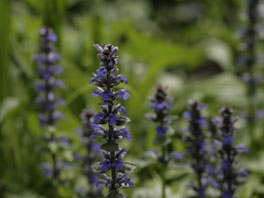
{"x":190,"y":47}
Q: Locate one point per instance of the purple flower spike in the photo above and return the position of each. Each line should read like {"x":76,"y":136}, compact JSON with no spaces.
{"x":197,"y":148}
{"x":230,"y":176}
{"x":48,"y":101}
{"x":47,"y":69}
{"x":113,"y":115}
{"x":249,"y":59}
{"x":161,"y":104}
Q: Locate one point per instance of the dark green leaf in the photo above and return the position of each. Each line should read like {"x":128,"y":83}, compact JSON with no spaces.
{"x":96,"y":167}
{"x":129,"y":167}
{"x":110,"y":146}
{"x":114,"y":194}
{"x":162,"y":140}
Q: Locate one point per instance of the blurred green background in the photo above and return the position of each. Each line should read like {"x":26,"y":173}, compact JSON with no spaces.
{"x":189,"y":46}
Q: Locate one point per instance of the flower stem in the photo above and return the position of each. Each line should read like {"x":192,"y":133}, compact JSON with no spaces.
{"x":163,"y":178}
{"x":113,"y":171}
{"x":251,"y":120}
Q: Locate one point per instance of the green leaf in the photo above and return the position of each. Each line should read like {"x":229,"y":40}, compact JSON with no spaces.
{"x":129,"y":167}
{"x":5,"y":24}
{"x":97,"y":167}
{"x":122,"y":120}
{"x":53,"y":14}
{"x":162,"y":140}
{"x":53,"y":147}
{"x":114,"y":194}
{"x":110,"y":146}
{"x":8,"y":105}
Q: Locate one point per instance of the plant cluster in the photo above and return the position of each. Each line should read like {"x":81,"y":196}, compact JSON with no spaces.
{"x":112,"y":172}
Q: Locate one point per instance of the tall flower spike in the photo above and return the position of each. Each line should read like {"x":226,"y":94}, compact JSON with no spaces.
{"x":250,"y":35}
{"x":197,"y":148}
{"x":47,"y":100}
{"x":47,"y":70}
{"x":92,"y":155}
{"x":161,"y":105}
{"x":107,"y":123}
{"x":230,"y":178}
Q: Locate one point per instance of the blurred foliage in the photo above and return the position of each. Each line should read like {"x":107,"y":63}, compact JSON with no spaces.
{"x":188,"y":46}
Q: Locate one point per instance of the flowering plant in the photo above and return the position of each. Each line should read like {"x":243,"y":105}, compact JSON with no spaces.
{"x":113,"y":116}
{"x":161,"y":105}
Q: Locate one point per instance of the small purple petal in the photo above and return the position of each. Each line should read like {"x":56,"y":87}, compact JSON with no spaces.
{"x":187,"y":115}
{"x":95,"y":134}
{"x":161,"y":130}
{"x":244,"y":173}
{"x":60,"y":84}
{"x":114,"y":50}
{"x":98,"y":48}
{"x":153,"y":152}
{"x":99,"y":183}
{"x":242,"y":149}
{"x":118,"y":164}
{"x":122,"y":78}
{"x":176,"y":155}
{"x":105,"y":166}
{"x":52,"y":37}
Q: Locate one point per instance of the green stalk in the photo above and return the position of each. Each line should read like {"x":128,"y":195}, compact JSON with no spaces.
{"x":163,"y":171}
{"x":97,"y":26}
{"x":5,"y":21}
{"x":251,"y":119}
{"x":53,"y":14}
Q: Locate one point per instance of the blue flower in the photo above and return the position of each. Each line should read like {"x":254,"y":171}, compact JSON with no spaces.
{"x":47,"y":169}
{"x":98,"y":48}
{"x":118,"y":164}
{"x":175,"y":155}
{"x":99,"y":117}
{"x":112,"y":119}
{"x":64,"y":140}
{"x":52,"y":37}
{"x":105,"y":165}
{"x":124,"y":133}
{"x":225,"y":165}
{"x":161,"y":130}
{"x":122,"y":94}
{"x":187,"y":115}
{"x":125,"y":179}
{"x":119,"y":107}
{"x":121,"y":78}
{"x":227,"y":140}
{"x":201,"y":122}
